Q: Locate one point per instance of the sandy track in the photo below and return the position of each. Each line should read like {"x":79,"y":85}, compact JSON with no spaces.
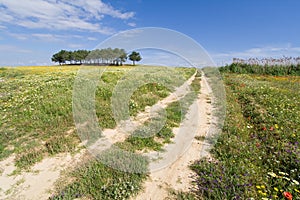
{"x":178,"y":176}
{"x":36,"y":183}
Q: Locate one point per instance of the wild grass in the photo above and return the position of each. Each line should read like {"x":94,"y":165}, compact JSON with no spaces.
{"x":95,"y":180}
{"x":257,"y":154}
{"x":36,"y":105}
{"x":37,"y":121}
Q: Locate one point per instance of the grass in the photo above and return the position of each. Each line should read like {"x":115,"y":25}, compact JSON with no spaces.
{"x":36,"y":108}
{"x":95,"y":180}
{"x":178,"y":195}
{"x":257,"y":154}
{"x":37,"y":121}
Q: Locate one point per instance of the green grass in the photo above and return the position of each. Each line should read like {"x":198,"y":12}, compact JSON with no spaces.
{"x":95,"y":180}
{"x":257,"y":154}
{"x":36,"y":105}
{"x":37,"y":121}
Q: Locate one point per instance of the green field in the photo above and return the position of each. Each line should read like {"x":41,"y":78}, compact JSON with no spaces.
{"x":37,"y":122}
{"x":256,"y":156}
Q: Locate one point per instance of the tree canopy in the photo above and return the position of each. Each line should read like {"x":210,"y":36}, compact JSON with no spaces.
{"x":109,"y":56}
{"x":135,"y":57}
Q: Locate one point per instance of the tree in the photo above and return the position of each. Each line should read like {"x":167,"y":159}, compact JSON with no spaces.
{"x":122,"y":56}
{"x":135,"y":57}
{"x":61,"y":57}
{"x":80,"y":56}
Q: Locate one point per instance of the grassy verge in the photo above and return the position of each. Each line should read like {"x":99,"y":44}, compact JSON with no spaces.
{"x":257,"y":154}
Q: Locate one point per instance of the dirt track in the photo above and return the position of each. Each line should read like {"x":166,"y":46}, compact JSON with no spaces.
{"x":178,"y":176}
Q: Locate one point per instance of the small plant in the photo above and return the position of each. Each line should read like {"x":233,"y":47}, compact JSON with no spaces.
{"x":200,"y":138}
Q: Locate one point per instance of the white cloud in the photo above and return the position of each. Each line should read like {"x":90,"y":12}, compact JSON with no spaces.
{"x":51,"y":37}
{"x":75,"y":46}
{"x":132,"y":24}
{"x":130,"y":33}
{"x":92,"y":39}
{"x":11,"y":48}
{"x":83,"y":15}
{"x":19,"y":36}
{"x":261,"y":52}
{"x":48,"y":37}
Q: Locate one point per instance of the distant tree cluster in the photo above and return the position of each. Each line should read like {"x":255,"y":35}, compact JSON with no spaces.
{"x":106,"y":56}
{"x":277,"y":70}
{"x":284,"y":61}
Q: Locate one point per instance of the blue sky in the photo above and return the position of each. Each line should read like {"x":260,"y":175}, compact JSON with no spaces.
{"x":32,"y":30}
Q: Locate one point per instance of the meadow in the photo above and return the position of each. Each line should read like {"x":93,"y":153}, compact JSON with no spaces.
{"x":256,"y":155}
{"x":37,"y":122}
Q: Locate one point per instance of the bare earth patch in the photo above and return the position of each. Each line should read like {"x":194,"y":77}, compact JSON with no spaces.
{"x":38,"y":182}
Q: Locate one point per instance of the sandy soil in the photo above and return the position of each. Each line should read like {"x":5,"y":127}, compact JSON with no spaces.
{"x":38,"y":182}
{"x":178,"y":176}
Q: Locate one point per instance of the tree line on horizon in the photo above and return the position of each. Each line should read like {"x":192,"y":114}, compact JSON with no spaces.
{"x":284,"y":61}
{"x":106,"y":56}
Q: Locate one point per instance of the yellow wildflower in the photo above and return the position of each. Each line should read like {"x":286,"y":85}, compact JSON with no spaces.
{"x":283,"y":173}
{"x":272,"y":174}
{"x":295,"y":182}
